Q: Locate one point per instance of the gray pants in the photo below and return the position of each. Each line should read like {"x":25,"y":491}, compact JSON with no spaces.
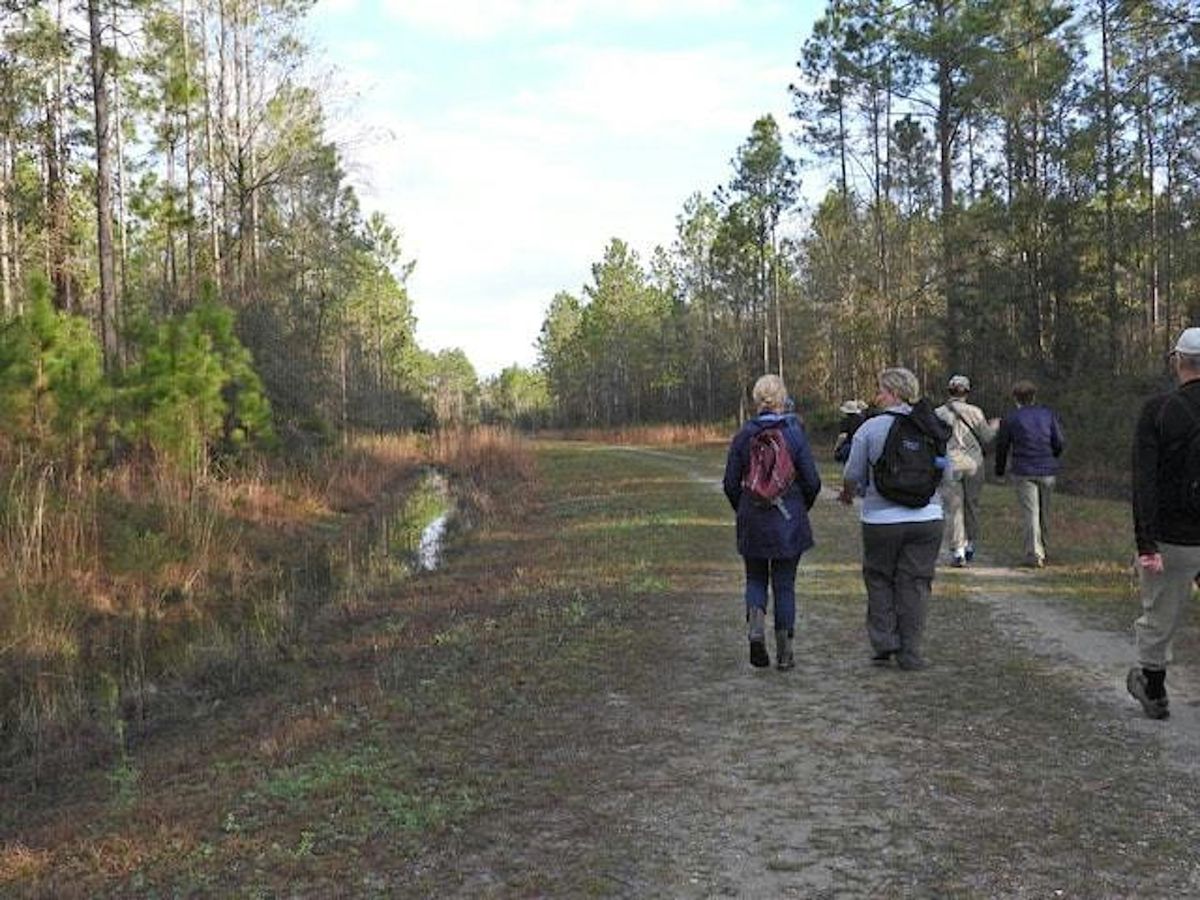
{"x":1165,"y":597}
{"x":960,"y":502}
{"x":1033,"y":494}
{"x":898,"y":565}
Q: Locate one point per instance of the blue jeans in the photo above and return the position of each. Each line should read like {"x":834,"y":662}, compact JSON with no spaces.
{"x":781,"y":575}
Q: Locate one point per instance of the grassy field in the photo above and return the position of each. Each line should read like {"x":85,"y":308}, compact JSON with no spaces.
{"x":516,"y":723}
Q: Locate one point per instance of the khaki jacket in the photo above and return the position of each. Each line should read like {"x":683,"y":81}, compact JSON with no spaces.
{"x":964,"y":448}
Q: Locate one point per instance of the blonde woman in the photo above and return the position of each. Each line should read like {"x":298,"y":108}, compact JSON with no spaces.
{"x":771,"y":538}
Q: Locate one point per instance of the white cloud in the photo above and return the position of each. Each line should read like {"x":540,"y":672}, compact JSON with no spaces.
{"x":482,"y":19}
{"x":662,"y":92}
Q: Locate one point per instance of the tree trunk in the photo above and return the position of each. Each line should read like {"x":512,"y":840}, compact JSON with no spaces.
{"x":56,"y":191}
{"x":189,"y":204}
{"x":252,"y":221}
{"x":15,"y":258}
{"x":122,"y":250}
{"x":104,"y":224}
{"x":945,"y":137}
{"x":946,"y":179}
{"x":1152,"y":285}
{"x":1110,"y":187}
{"x":6,"y":244}
{"x":210,"y":161}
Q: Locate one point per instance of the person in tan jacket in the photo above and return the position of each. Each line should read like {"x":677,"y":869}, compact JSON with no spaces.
{"x":971,"y":434}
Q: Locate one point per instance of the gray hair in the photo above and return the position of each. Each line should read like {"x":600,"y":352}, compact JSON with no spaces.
{"x":901,"y":382}
{"x":770,"y":393}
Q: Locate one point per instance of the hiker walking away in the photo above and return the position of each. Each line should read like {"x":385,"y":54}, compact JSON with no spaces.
{"x":896,"y":465}
{"x":854,"y":413}
{"x":1033,"y":436}
{"x":772,"y":522}
{"x":970,"y":435}
{"x":1166,"y":520}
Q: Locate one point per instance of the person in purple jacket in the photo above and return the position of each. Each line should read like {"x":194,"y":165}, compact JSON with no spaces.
{"x":1033,"y":437}
{"x":772,"y":538}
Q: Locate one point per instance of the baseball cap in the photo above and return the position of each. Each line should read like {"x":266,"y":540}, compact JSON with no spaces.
{"x":1189,"y":342}
{"x":963,"y":383}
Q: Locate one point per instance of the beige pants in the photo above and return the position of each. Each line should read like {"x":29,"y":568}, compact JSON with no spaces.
{"x":1033,"y":494}
{"x":1165,"y":597}
{"x":960,"y":505}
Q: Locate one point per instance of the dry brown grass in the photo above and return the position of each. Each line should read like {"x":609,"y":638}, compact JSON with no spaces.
{"x":483,"y":454}
{"x":649,"y":435}
{"x":139,"y":577}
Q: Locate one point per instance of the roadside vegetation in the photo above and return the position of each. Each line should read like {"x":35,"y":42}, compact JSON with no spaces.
{"x":136,"y":593}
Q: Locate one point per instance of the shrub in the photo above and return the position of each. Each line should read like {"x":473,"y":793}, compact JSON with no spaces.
{"x":194,"y":390}
{"x":52,"y":388}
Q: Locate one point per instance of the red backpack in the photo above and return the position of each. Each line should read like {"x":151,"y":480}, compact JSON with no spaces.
{"x":771,"y":470}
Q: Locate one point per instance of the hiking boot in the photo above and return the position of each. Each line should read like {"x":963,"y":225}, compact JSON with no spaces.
{"x":784,"y":658}
{"x":911,"y":663}
{"x":1154,"y":707}
{"x":959,"y":559}
{"x":882,"y":657}
{"x":757,"y":619}
{"x":1034,"y":562}
{"x":758,"y":654}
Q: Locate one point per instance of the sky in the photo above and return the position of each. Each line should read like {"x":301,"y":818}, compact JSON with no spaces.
{"x":508,"y":141}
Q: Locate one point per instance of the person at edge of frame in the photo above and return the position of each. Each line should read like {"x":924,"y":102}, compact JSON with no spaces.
{"x":1166,"y":521}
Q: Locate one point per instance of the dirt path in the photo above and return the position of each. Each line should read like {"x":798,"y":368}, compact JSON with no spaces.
{"x":568,"y":711}
{"x":1015,"y":767}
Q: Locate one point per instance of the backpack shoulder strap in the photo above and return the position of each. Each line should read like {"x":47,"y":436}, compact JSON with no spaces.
{"x":971,"y":428}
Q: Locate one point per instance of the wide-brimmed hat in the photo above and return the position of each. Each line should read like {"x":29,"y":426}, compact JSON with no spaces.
{"x":852,"y":407}
{"x":1189,"y":342}
{"x":960,"y":383}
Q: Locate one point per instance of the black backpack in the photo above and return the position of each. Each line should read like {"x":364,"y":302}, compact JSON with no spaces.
{"x":910,"y":467}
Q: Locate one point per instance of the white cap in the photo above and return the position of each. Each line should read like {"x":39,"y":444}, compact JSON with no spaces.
{"x":1189,"y":342}
{"x":960,"y":383}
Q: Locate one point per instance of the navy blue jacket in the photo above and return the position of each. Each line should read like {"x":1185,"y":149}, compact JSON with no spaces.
{"x":1033,"y":437}
{"x":763,"y":532}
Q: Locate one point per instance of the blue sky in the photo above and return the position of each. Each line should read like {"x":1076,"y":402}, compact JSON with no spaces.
{"x":509,"y":140}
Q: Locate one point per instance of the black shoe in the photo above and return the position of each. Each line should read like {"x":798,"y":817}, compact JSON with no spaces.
{"x":758,"y":654}
{"x":1154,"y":707}
{"x":882,"y":657}
{"x":910,"y":663}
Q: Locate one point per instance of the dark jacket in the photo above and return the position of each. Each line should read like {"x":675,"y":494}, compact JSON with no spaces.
{"x":763,"y":532}
{"x":1159,"y":451}
{"x":1034,"y":438}
{"x":850,"y":423}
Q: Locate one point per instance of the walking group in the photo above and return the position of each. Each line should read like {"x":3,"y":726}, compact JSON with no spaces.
{"x":918,"y":473}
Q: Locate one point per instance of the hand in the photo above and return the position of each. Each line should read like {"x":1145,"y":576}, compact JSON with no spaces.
{"x":845,"y":497}
{"x":1151,"y":562}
